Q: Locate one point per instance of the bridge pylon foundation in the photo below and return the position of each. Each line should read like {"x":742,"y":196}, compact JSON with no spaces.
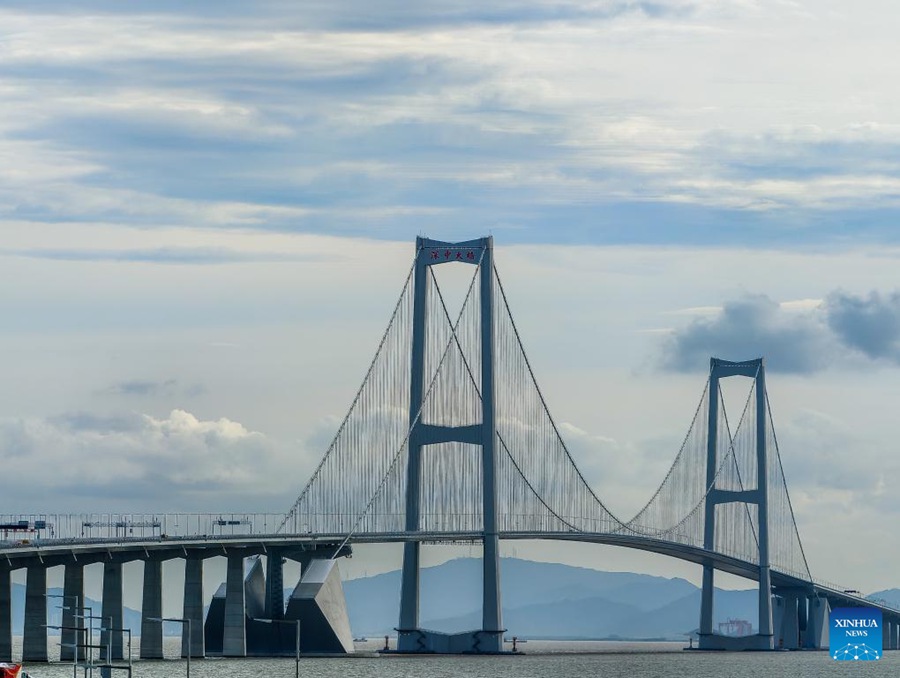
{"x":716,"y":641}
{"x":423,"y":641}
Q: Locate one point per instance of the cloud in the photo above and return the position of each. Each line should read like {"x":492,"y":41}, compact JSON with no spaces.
{"x":751,"y":327}
{"x":800,"y":336}
{"x":151,"y":388}
{"x":870,"y":324}
{"x":139,"y":462}
{"x":164,"y":255}
{"x":389,"y":15}
{"x":351,"y":118}
{"x":143,"y":388}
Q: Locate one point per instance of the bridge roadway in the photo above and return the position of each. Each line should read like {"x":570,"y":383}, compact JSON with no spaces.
{"x":55,"y":552}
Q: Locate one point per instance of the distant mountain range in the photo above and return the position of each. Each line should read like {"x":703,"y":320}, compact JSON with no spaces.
{"x":540,"y":600}
{"x":545,"y":600}
{"x":889,"y":596}
{"x":131,"y":618}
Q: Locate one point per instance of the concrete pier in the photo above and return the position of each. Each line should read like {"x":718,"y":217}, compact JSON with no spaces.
{"x":318,"y":602}
{"x":817,"y":623}
{"x":234,"y":641}
{"x":5,"y":614}
{"x":193,"y":608}
{"x":34,"y":644}
{"x":112,"y":610}
{"x":72,"y":602}
{"x":274,"y":585}
{"x":151,"y":607}
{"x":788,"y":632}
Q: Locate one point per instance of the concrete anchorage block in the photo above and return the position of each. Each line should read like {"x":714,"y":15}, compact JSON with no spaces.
{"x":318,"y":602}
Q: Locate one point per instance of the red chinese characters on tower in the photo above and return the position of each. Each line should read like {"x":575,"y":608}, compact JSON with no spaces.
{"x":448,"y":255}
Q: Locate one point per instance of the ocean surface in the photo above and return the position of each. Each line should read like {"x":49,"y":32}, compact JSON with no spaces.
{"x":539,"y":659}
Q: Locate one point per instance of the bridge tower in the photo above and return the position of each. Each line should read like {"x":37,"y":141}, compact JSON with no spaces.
{"x":411,"y":638}
{"x":758,"y":496}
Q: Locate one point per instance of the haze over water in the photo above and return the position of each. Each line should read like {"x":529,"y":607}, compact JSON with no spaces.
{"x":540,"y":659}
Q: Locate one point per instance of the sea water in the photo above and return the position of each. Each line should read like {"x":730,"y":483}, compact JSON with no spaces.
{"x":538,"y":659}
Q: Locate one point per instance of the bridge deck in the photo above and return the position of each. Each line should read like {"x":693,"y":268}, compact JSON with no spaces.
{"x":51,"y":552}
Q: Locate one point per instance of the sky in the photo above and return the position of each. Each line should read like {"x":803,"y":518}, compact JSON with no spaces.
{"x":207,"y":211}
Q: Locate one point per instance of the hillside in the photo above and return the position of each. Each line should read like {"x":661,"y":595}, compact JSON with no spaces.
{"x":546,"y":600}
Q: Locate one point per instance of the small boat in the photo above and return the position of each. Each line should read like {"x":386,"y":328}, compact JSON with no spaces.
{"x":10,"y":670}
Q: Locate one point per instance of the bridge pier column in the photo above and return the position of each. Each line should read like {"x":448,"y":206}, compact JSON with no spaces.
{"x":34,"y":643}
{"x":407,"y":632}
{"x":274,"y":585}
{"x":73,"y":607}
{"x":817,"y":624}
{"x":706,"y":601}
{"x":5,"y":614}
{"x":803,"y":618}
{"x":895,"y":636}
{"x":112,"y":612}
{"x":193,"y":609}
{"x":889,"y":637}
{"x":787,"y":633}
{"x":151,"y":608}
{"x":234,"y":641}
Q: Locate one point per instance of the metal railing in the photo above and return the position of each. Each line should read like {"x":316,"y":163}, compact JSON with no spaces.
{"x":44,"y":527}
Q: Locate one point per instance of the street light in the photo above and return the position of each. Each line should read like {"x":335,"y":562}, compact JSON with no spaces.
{"x":77,"y":648}
{"x":189,"y":643}
{"x":63,"y":609}
{"x":296,"y":623}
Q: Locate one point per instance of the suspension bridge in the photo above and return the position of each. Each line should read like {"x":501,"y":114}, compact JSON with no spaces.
{"x":449,"y":439}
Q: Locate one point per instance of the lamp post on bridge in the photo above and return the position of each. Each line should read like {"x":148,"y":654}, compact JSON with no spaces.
{"x":296,"y":623}
{"x":178,"y":620}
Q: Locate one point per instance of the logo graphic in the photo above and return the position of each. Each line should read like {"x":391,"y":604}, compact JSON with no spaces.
{"x":855,"y":634}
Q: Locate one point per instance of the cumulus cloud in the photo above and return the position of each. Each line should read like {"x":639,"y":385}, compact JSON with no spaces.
{"x":869,"y":324}
{"x":750,"y":327}
{"x":141,"y":462}
{"x":799,"y":337}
